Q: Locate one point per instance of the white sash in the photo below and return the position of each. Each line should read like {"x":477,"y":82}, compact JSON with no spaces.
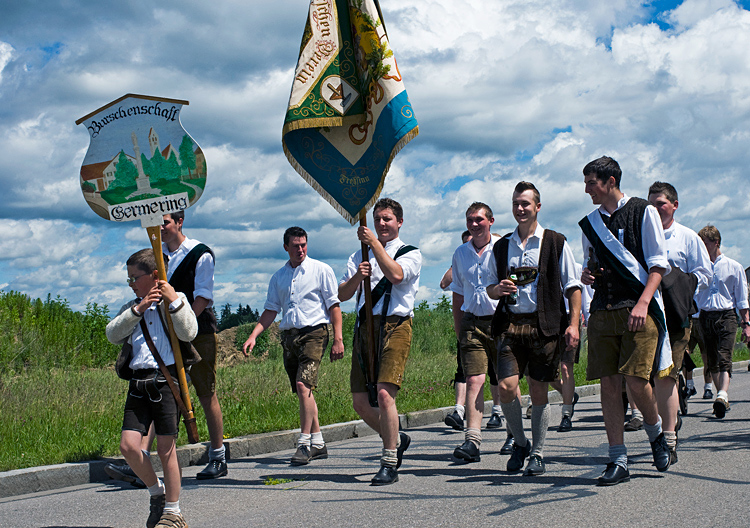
{"x":629,"y":261}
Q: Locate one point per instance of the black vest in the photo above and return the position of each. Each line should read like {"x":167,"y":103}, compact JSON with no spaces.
{"x":610,"y":293}
{"x":183,"y":280}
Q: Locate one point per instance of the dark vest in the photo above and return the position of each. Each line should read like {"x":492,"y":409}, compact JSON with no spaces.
{"x":553,"y":320}
{"x":609,"y":292}
{"x":183,"y":280}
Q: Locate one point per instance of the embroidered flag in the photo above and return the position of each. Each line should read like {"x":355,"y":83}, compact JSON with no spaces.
{"x":348,"y":114}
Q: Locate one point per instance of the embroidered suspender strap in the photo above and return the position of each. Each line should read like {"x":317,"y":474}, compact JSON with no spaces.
{"x":383,"y":287}
{"x":500,"y":319}
{"x":190,"y":424}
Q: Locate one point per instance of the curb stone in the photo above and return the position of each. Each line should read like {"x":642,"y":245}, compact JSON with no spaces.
{"x":48,"y":478}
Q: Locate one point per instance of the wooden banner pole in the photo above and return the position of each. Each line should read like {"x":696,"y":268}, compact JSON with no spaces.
{"x":372,"y":382}
{"x":154,"y":236}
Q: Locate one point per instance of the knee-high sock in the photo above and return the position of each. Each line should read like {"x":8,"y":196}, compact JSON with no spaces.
{"x":539,"y":424}
{"x":514,"y":419}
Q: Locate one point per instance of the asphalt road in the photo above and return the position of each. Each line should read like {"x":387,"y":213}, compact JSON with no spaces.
{"x":709,"y":486}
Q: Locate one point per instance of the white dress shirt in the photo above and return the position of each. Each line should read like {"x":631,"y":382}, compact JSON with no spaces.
{"x":529,"y":257}
{"x":472,"y":273}
{"x":403,"y":294}
{"x":652,"y":237}
{"x":687,"y":252}
{"x":304,"y":294}
{"x":728,"y":288}
{"x":204,"y":269}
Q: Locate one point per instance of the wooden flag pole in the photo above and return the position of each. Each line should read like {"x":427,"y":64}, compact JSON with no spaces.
{"x":154,"y":235}
{"x":372,"y":392}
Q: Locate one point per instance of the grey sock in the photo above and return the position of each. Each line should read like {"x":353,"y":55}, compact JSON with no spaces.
{"x":474,"y":436}
{"x":653,"y":431}
{"x":514,"y":419}
{"x":539,"y":425}
{"x":619,"y":455}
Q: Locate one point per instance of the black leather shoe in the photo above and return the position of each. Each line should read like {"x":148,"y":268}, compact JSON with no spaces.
{"x":301,"y":456}
{"x":515,"y":462}
{"x":672,"y":456}
{"x":660,"y":449}
{"x":721,"y":406}
{"x":708,"y":394}
{"x":467,"y":451}
{"x":614,"y":474}
{"x":535,"y":466}
{"x":405,"y":441}
{"x":576,"y":397}
{"x":124,"y":473}
{"x":454,"y":420}
{"x":214,"y":469}
{"x":507,"y":448}
{"x":565,"y":424}
{"x":386,"y":475}
{"x":678,"y":424}
{"x":495,"y":422}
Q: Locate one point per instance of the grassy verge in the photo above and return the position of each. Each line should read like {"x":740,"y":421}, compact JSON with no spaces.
{"x":55,"y":415}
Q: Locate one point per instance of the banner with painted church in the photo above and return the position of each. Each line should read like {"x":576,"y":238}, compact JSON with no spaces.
{"x":141,"y":162}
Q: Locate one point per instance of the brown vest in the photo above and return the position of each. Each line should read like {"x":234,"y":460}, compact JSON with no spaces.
{"x":553,"y":319}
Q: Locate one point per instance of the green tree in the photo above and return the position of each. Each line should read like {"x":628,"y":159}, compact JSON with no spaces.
{"x":125,"y":173}
{"x":172,"y":167}
{"x":157,"y":163}
{"x":187,"y":155}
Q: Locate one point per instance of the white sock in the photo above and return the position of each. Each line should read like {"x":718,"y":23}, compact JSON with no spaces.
{"x":172,"y":507}
{"x":316,"y":440}
{"x":496,"y":409}
{"x":690,"y":384}
{"x":304,"y":439}
{"x":707,"y":386}
{"x":157,"y":489}
{"x":461,"y":410}
{"x":723,"y":395}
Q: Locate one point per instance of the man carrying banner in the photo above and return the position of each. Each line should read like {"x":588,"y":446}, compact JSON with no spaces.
{"x":718,"y":320}
{"x":305,"y":290}
{"x":537,"y":269}
{"x":393,"y":268}
{"x":691,"y":271}
{"x":473,"y":271}
{"x":624,"y":240}
{"x":150,"y":403}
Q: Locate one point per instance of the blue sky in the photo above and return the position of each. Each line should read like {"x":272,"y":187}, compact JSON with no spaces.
{"x":503,"y":91}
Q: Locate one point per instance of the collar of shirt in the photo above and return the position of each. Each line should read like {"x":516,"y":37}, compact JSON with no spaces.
{"x":620,"y":203}
{"x":538,"y":233}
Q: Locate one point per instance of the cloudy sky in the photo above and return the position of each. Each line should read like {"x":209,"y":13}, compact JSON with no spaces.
{"x":503,"y":91}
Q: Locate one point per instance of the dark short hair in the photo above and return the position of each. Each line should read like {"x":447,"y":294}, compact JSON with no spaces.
{"x":667,"y":189}
{"x":143,"y":260}
{"x":293,"y":232}
{"x":178,"y":215}
{"x":710,"y":233}
{"x":476,"y":206}
{"x":466,"y":234}
{"x":389,"y":203}
{"x":604,"y":168}
{"x":528,"y":186}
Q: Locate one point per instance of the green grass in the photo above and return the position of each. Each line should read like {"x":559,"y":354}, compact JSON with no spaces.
{"x":53,"y":412}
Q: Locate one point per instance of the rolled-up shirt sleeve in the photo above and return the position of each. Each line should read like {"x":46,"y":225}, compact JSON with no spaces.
{"x":329,"y":288}
{"x":204,"y":278}
{"x":653,"y":243}
{"x":740,"y":290}
{"x":569,"y":277}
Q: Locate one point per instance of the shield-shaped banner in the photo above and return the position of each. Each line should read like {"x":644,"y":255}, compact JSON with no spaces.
{"x":141,"y":162}
{"x":348,"y":113}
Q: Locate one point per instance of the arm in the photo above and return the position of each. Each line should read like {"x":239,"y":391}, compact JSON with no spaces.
{"x":337,"y":349}
{"x":203,"y":286}
{"x":266,"y":318}
{"x":200,"y":304}
{"x":390,"y":268}
{"x":447,"y":279}
{"x":458,"y":314}
{"x":637,"y":317}
{"x":572,"y":337}
{"x":184,"y":321}
{"x":348,"y":288}
{"x":745,"y":318}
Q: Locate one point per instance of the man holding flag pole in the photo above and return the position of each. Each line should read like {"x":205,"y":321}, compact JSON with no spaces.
{"x":347,"y":118}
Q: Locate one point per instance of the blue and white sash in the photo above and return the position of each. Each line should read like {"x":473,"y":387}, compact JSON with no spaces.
{"x":617,"y":257}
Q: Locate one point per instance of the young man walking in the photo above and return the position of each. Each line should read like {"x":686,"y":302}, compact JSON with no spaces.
{"x":395,"y":267}
{"x":691,"y":272}
{"x":718,"y":320}
{"x":473,"y":272}
{"x":305,"y":290}
{"x":535,"y":268}
{"x":624,"y":241}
